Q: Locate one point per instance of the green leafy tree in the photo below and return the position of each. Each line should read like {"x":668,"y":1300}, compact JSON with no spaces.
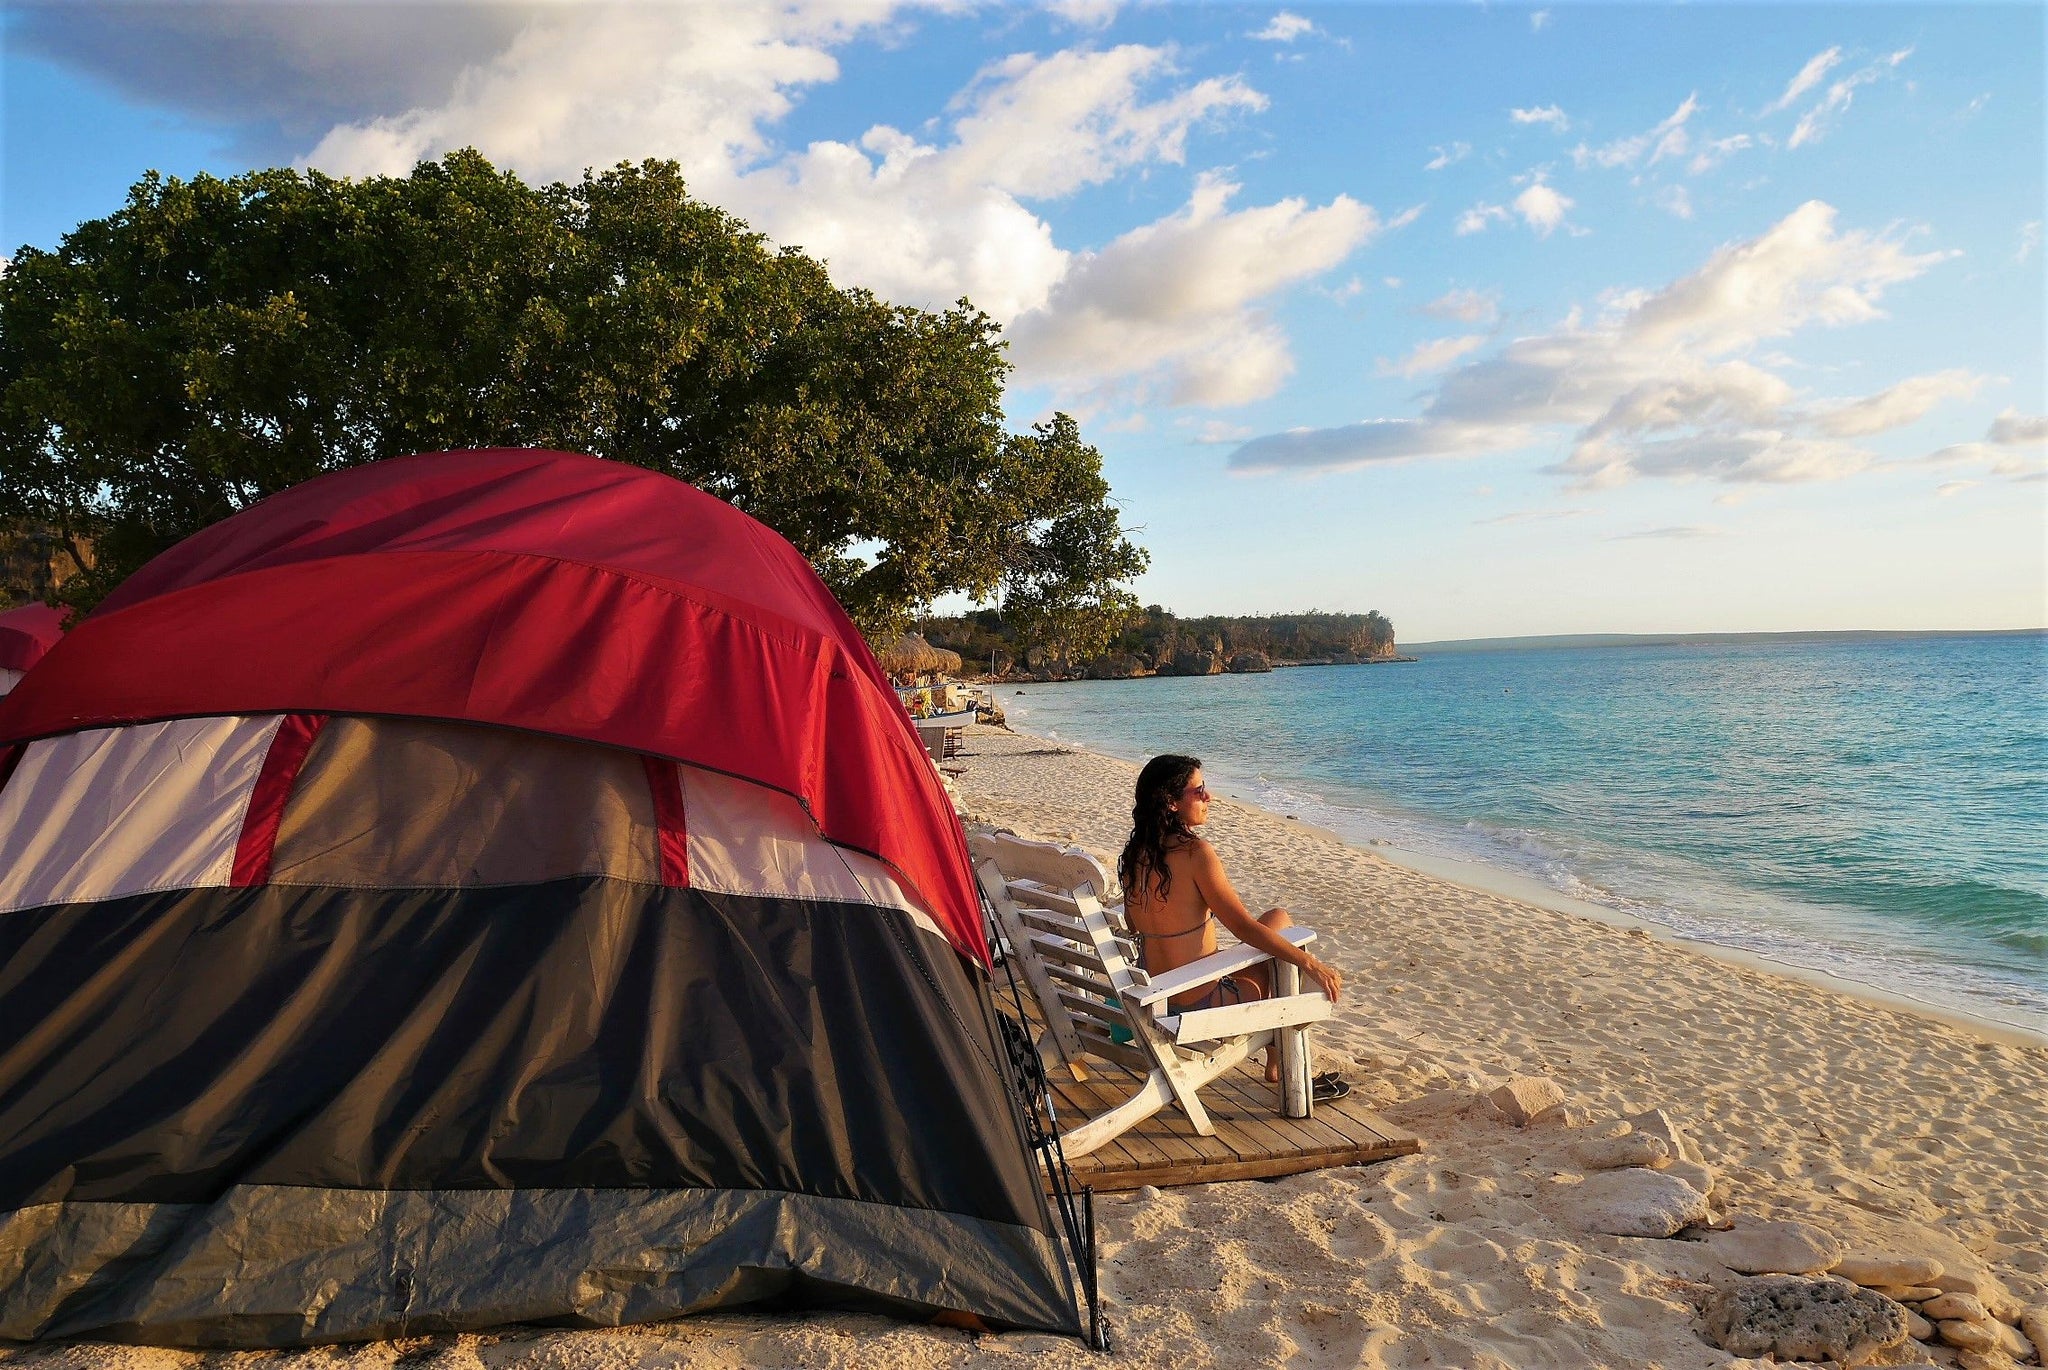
{"x":216,"y":341}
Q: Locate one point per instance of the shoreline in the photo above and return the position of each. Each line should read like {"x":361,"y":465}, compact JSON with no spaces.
{"x":1507,"y":884}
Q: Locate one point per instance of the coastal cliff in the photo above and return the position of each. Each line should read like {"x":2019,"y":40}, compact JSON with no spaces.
{"x":1158,"y":642}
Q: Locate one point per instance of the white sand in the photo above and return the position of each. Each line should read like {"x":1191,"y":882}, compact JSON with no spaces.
{"x":1877,"y":1123}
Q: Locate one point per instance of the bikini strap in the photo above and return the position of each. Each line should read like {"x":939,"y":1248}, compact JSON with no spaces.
{"x":1206,"y":919}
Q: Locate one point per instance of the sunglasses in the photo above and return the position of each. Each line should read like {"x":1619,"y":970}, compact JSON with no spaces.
{"x":1200,"y":792}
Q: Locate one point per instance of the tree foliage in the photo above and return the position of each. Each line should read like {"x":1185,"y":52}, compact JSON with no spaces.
{"x":1153,"y":636}
{"x":219,"y":340}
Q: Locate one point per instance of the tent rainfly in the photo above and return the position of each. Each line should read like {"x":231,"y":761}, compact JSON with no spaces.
{"x":26,"y":633}
{"x":489,"y":887}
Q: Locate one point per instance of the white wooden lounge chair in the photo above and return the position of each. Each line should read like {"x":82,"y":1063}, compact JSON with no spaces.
{"x":1098,"y":1002}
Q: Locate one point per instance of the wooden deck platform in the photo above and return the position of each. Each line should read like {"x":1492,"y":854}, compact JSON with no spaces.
{"x":1252,"y":1141}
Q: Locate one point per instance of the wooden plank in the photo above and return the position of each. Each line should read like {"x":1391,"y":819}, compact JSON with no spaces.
{"x":1215,"y":965}
{"x":1055,"y":923}
{"x":1096,"y":983}
{"x":1252,"y":1142}
{"x":1055,"y":949}
{"x":1096,"y":1044}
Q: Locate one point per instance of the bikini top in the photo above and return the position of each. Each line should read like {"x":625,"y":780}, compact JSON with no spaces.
{"x":1141,"y":938}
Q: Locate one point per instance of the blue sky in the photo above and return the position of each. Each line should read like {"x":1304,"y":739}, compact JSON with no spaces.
{"x":1499,"y":319}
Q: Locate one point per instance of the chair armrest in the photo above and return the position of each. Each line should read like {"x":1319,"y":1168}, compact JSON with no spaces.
{"x":1235,"y":1020}
{"x":1214,"y":966}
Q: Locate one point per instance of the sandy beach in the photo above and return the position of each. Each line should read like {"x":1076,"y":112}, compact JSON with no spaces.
{"x":1890,"y":1129}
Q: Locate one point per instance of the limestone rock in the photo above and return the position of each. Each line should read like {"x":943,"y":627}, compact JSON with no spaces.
{"x":1967,"y":1336}
{"x":1525,"y":1096}
{"x":1989,"y":1289}
{"x":2013,"y":1342}
{"x":1984,"y":1360}
{"x":1902,"y":1293}
{"x":1249,"y":663}
{"x":1613,"y":1153}
{"x":1956,"y":1305}
{"x":1795,"y":1318}
{"x":2034,"y":1322}
{"x":1763,"y":1246}
{"x":1632,"y":1203}
{"x":1562,"y":1116}
{"x":1658,"y":1123}
{"x":1698,"y":1174}
{"x":1873,"y":1268}
{"x":1918,"y":1328}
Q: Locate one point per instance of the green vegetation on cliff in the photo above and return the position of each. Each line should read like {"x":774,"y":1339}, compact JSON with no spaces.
{"x":1154,"y":640}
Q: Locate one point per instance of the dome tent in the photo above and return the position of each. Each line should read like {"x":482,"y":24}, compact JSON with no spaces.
{"x":489,"y":887}
{"x":27,"y":631}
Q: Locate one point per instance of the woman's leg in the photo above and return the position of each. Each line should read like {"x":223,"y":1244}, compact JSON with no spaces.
{"x":1262,"y":974}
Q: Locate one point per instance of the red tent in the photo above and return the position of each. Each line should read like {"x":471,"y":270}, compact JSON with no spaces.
{"x":26,"y":633}
{"x":486,"y":887}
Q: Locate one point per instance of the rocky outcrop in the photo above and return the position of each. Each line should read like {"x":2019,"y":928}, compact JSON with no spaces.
{"x":1632,"y":1203}
{"x":1886,"y":1268}
{"x":1249,"y":663}
{"x":1193,"y":662}
{"x":1115,"y":666}
{"x":1526,"y":1097}
{"x":1617,"y":1153}
{"x":1795,"y":1318}
{"x":1762,"y":1246}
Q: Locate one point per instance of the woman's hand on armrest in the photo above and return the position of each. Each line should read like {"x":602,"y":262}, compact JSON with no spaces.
{"x":1324,"y":974}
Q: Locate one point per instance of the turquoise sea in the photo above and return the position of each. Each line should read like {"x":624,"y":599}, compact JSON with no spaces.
{"x":1874,"y":809}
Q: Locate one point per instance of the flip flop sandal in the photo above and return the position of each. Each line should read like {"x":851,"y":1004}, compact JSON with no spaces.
{"x":1327,"y":1086}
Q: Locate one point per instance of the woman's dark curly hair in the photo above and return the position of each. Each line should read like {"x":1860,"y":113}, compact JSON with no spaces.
{"x":1154,"y":823}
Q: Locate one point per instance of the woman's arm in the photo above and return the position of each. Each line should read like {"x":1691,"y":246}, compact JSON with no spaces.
{"x":1223,"y":901}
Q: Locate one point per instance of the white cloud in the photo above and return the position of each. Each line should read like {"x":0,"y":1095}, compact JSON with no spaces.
{"x":1466,"y":306}
{"x":1657,"y":384}
{"x":1533,"y":516}
{"x":1284,"y":27}
{"x":1801,"y":271}
{"x":1455,"y":152}
{"x":1432,"y":355}
{"x":1815,"y":122}
{"x":1949,"y":489}
{"x":1084,"y":14}
{"x":1406,"y":217}
{"x":1896,"y":406}
{"x":2014,"y":429}
{"x":1545,"y":114}
{"x":1809,"y":76}
{"x":1542,"y":208}
{"x":1685,"y":531}
{"x":1539,"y":20}
{"x":1475,"y":219}
{"x":1214,"y":431}
{"x":1667,"y":139}
{"x":925,"y":223}
{"x":1676,"y":201}
{"x":1171,"y":309}
{"x":2030,"y":238}
{"x":593,"y":85}
{"x":1716,"y":151}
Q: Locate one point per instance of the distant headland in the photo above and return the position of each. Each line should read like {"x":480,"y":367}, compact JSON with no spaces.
{"x":1155,"y":641}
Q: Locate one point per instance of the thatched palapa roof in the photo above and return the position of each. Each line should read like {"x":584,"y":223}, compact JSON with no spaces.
{"x":909,"y":652}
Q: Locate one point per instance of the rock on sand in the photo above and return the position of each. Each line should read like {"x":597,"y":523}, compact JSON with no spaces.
{"x":1632,"y":1203}
{"x":1795,"y":1318}
{"x":1762,"y":1246}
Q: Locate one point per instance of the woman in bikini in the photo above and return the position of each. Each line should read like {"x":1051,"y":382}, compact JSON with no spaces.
{"x":1175,"y":893}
